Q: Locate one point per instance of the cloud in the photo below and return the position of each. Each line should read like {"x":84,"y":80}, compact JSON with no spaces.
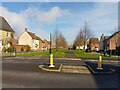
{"x":33,"y":14}
{"x":101,"y":18}
{"x":44,"y":17}
{"x":60,"y":1}
{"x":16,"y":20}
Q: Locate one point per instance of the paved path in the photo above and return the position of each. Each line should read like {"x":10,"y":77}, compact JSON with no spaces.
{"x":70,"y":54}
{"x":75,"y":69}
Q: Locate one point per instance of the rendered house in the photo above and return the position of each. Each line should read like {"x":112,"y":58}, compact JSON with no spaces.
{"x":29,"y":38}
{"x":102,"y":42}
{"x":6,"y":34}
{"x":79,"y":45}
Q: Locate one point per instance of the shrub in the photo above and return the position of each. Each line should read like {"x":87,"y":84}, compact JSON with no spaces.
{"x":4,"y":49}
{"x":10,"y":49}
{"x":28,"y":48}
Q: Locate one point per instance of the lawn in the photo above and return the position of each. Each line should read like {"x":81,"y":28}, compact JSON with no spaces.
{"x":84,"y":55}
{"x":59,"y":53}
{"x":93,"y":55}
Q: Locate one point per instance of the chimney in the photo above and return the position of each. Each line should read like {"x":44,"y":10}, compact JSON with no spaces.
{"x":25,"y":29}
{"x":102,"y":34}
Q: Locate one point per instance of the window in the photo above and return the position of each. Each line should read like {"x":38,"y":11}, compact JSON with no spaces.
{"x":36,"y":45}
{"x":8,"y":34}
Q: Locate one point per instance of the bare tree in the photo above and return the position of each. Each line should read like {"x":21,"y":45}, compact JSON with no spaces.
{"x":79,"y":39}
{"x":56,"y":39}
{"x":87,"y":33}
{"x":83,"y":36}
{"x":62,"y":41}
{"x":59,"y":40}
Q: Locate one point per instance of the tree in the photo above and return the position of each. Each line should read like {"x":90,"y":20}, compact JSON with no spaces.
{"x":28,"y":48}
{"x":83,"y":36}
{"x":87,"y":34}
{"x":59,"y":40}
{"x":56,"y":38}
{"x":4,"y":49}
{"x":62,"y":43}
{"x":79,"y":40}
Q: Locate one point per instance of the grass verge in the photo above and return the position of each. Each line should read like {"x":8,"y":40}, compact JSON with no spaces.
{"x":59,"y":53}
{"x":83,"y":55}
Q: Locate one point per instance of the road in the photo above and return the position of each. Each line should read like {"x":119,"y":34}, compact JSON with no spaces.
{"x":19,"y":73}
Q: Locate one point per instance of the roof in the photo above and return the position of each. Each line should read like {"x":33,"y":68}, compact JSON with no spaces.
{"x":34,"y":36}
{"x":113,"y":35}
{"x":46,"y":41}
{"x":94,"y":41}
{"x":4,"y":25}
{"x":106,"y":37}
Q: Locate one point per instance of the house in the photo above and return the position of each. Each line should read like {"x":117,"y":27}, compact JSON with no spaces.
{"x":81,"y":47}
{"x":94,"y":44}
{"x":46,"y":44}
{"x":78,"y":45}
{"x":6,"y":34}
{"x":113,"y":41}
{"x":102,"y":42}
{"x":29,"y":38}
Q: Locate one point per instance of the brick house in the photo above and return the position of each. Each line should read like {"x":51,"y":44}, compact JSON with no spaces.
{"x":6,"y":34}
{"x":46,"y":44}
{"x":94,"y":44}
{"x":113,"y":41}
{"x":29,"y":38}
{"x":111,"y":44}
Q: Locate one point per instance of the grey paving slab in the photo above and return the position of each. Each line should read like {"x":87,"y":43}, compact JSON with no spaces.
{"x":75,"y":69}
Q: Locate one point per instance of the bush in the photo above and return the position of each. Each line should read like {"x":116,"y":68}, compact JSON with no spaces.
{"x":10,"y":49}
{"x":4,"y":49}
{"x":28,"y":48}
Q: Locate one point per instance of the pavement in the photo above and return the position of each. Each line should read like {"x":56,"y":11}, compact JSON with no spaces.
{"x":70,"y":54}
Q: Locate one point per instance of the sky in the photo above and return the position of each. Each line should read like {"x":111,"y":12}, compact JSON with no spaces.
{"x":43,"y":18}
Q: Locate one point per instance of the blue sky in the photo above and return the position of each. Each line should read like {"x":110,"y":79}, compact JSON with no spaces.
{"x":42,"y":18}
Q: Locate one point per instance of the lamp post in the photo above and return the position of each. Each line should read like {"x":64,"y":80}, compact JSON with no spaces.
{"x":50,"y":44}
{"x":51,"y":55}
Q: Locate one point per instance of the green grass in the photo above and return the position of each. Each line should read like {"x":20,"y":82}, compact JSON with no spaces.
{"x":59,"y":53}
{"x":34,"y":54}
{"x":84,"y":55}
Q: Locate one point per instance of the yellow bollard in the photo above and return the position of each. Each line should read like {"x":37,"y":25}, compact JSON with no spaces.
{"x":51,"y":60}
{"x":100,"y":63}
